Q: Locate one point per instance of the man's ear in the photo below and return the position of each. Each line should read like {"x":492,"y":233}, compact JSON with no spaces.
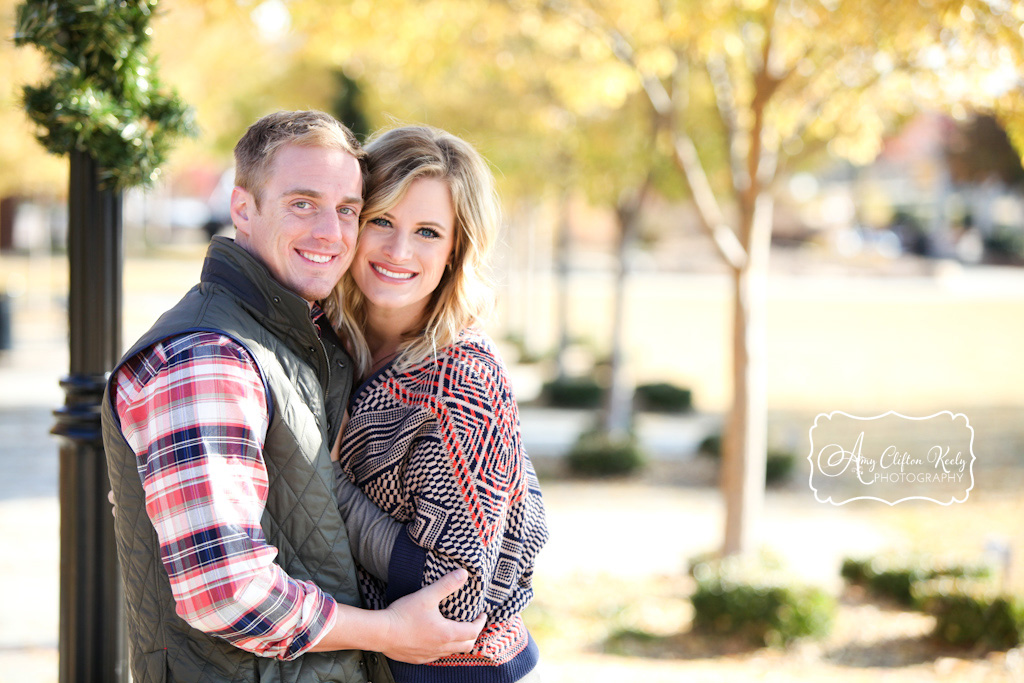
{"x":242,"y":206}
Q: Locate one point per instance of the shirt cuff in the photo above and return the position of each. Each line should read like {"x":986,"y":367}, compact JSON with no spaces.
{"x":312,"y":638}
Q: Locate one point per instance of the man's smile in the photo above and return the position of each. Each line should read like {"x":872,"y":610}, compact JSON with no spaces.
{"x":315,"y":258}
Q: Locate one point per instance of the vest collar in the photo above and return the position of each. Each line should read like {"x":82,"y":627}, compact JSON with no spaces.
{"x":281,"y":310}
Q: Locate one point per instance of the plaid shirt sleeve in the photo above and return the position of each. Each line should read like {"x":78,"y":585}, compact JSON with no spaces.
{"x":194,"y":410}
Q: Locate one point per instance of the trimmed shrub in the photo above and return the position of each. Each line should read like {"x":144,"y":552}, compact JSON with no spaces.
{"x":595,"y":454}
{"x":574,"y":392}
{"x":711,"y":446}
{"x":663,"y":397}
{"x":970,"y":613}
{"x":758,"y":603}
{"x":895,"y":576}
{"x":854,"y":571}
{"x":778,"y":467}
{"x":1004,"y":245}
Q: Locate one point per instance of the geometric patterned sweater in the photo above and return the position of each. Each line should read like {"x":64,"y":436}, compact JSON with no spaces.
{"x":438,"y":448}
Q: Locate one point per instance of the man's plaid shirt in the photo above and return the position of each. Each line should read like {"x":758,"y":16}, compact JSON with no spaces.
{"x":194,"y":410}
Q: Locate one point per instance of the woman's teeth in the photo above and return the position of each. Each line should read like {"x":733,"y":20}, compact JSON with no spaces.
{"x":391,"y":274}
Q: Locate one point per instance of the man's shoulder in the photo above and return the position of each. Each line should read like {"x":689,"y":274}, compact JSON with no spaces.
{"x":185,"y":348}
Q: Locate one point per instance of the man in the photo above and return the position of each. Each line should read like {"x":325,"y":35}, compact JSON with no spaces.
{"x":217,"y":426}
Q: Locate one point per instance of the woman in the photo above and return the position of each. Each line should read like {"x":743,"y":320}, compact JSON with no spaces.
{"x":433,"y":434}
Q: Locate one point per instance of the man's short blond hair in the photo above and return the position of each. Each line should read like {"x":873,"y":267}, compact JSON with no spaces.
{"x":257,"y":149}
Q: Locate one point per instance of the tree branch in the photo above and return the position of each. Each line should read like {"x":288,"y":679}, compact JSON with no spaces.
{"x":712,"y":218}
{"x":725,"y":98}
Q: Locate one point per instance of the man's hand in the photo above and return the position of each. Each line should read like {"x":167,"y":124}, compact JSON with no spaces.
{"x":419,"y":634}
{"x":410,"y":630}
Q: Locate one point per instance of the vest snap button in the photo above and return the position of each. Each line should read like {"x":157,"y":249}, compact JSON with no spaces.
{"x":277,"y":299}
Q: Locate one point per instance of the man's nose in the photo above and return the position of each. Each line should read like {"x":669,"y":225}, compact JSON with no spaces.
{"x":328,"y":227}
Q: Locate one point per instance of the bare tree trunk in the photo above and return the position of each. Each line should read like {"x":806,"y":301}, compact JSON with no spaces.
{"x":563,"y":242}
{"x":744,"y":444}
{"x":618,"y":414}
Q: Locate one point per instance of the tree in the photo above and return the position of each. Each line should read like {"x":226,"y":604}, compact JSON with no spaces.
{"x":104,"y":97}
{"x":781,"y":79}
{"x":980,"y":151}
{"x":348,"y":105}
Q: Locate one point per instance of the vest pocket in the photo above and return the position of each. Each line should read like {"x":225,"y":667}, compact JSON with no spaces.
{"x":377,"y":668}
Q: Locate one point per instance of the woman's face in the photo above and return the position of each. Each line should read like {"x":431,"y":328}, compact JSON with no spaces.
{"x":402,"y":254}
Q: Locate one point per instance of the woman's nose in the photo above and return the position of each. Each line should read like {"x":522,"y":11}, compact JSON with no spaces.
{"x":397,"y":247}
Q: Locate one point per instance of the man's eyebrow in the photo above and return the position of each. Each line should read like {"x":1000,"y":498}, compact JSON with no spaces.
{"x":302,"y":190}
{"x":316,"y":194}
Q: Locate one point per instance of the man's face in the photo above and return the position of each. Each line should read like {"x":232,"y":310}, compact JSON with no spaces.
{"x":305,"y":229}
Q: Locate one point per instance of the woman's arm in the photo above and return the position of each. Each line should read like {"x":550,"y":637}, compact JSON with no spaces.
{"x":475,"y":501}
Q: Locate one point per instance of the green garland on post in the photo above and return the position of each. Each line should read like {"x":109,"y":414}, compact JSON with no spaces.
{"x":104,"y":97}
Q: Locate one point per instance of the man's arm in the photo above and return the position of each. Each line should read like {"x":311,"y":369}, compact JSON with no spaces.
{"x":410,"y":630}
{"x":194,"y":410}
{"x":371,"y":531}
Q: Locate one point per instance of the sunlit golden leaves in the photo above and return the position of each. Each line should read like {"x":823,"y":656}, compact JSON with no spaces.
{"x":521,"y":75}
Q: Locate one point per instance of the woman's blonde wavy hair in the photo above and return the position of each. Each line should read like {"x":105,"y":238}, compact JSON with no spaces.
{"x":464,"y":295}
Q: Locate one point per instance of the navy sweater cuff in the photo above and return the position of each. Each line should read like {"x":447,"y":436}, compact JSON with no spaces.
{"x":405,"y":573}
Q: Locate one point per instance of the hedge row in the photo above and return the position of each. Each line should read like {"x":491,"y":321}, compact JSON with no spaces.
{"x":587,"y":392}
{"x":894,"y":576}
{"x":779,"y":464}
{"x":971,"y":613}
{"x":596,"y":454}
{"x":758,"y":602}
{"x":969,"y":610}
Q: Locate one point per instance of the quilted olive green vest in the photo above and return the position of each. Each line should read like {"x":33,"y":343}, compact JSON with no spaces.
{"x":309,"y":380}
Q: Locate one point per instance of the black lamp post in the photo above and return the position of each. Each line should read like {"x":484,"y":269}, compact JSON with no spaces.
{"x":90,"y":631}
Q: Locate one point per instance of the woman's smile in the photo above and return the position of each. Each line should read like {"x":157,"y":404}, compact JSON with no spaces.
{"x":391,"y":273}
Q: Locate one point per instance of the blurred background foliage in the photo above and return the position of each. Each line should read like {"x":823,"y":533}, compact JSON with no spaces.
{"x":554,"y":91}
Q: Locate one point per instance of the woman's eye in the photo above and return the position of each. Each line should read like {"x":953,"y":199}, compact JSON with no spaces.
{"x":382,"y":222}
{"x":428,"y":232}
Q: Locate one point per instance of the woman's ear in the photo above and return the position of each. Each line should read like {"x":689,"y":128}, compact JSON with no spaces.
{"x":242,"y":204}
